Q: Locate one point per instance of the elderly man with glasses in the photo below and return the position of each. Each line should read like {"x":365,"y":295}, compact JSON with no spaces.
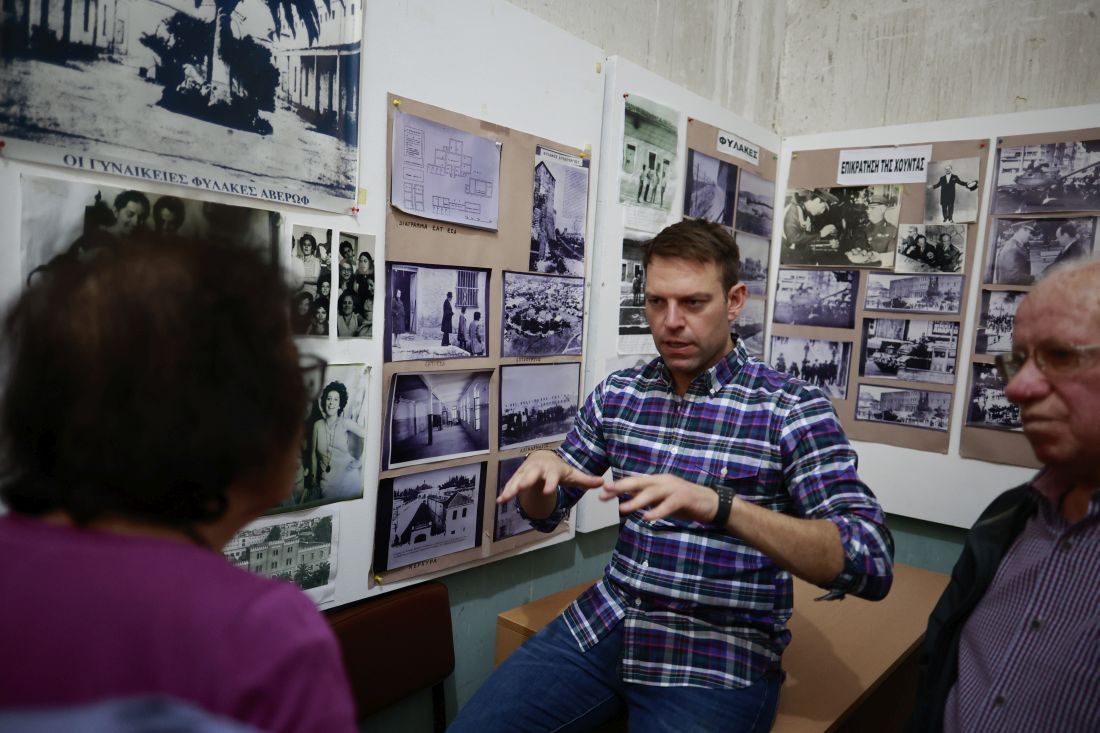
{"x":1013,"y":643}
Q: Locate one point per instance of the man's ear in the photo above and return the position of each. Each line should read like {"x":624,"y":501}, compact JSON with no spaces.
{"x":735,"y":300}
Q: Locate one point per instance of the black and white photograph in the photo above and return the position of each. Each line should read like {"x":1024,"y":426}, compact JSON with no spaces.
{"x":816,"y":298}
{"x":302,"y":550}
{"x":537,"y":402}
{"x":755,"y":256}
{"x":853,"y":226}
{"x":902,"y":348}
{"x":989,"y":407}
{"x":927,"y":248}
{"x":436,"y":416}
{"x":709,"y":188}
{"x":1021,"y":250}
{"x":259,"y":100}
{"x":998,"y":316}
{"x":952,"y":192}
{"x":436,"y":312}
{"x":443,"y":173}
{"x":1045,"y":177}
{"x":914,"y":293}
{"x":330,"y":465}
{"x":648,"y":173}
{"x":355,"y":286}
{"x":61,"y":220}
{"x":749,"y":326}
{"x":559,"y":211}
{"x":508,"y":522}
{"x":816,"y":361}
{"x":755,"y":205}
{"x":635,"y":336}
{"x":543,"y":315}
{"x":427,"y":515}
{"x":310,"y":276}
{"x":918,"y":408}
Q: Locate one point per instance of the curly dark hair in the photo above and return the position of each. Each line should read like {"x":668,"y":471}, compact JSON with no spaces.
{"x":117,"y":376}
{"x":132,"y":197}
{"x":171,"y":204}
{"x":700,"y":241}
{"x":338,"y":388}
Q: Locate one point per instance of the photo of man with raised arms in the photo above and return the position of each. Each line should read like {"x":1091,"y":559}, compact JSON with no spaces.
{"x":730,"y":478}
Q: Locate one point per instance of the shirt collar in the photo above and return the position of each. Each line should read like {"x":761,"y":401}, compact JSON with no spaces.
{"x":1048,"y":490}
{"x":714,"y":378}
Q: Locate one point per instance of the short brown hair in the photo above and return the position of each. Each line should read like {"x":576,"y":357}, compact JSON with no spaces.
{"x":699,"y":241}
{"x":145,"y":382}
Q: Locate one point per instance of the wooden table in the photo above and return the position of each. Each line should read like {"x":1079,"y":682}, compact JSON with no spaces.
{"x":851,"y":664}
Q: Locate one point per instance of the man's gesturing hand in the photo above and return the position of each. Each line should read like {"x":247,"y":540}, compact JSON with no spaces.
{"x":536,"y":483}
{"x":665,"y":495}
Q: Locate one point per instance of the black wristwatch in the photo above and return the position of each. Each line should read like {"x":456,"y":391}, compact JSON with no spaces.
{"x":725,"y":501}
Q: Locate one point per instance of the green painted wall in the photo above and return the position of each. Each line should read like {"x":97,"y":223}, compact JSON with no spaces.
{"x":478,"y":595}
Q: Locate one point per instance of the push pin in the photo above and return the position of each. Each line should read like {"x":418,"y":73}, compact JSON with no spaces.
{"x":397,"y":103}
{"x":626,"y":94}
{"x":691,"y":119}
{"x":355,"y":209}
{"x":378,"y":579}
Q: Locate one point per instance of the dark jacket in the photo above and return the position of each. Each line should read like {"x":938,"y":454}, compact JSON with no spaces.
{"x":985,"y":546}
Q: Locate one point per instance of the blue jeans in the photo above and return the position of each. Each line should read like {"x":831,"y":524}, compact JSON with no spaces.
{"x":550,"y":685}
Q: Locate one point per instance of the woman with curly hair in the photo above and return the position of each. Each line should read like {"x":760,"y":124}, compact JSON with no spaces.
{"x":336,"y":465}
{"x":129,"y":458}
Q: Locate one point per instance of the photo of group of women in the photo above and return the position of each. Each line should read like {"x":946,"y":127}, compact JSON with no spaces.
{"x":70,"y":220}
{"x":311,"y":266}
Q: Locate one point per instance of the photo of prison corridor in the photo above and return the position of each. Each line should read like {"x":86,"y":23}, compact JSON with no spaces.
{"x":438,"y":415}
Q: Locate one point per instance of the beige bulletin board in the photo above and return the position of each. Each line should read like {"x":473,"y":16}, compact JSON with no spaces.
{"x":818,"y":169}
{"x":990,"y":443}
{"x":412,"y":239}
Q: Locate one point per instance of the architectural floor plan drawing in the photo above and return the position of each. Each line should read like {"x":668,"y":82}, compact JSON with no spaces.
{"x":443,"y":173}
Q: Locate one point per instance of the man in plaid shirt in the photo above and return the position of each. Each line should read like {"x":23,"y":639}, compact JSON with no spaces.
{"x":730,"y":477}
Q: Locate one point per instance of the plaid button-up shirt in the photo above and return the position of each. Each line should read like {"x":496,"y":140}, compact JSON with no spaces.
{"x":702,"y":608}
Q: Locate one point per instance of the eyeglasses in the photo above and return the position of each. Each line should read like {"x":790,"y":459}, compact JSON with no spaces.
{"x":1052,"y":360}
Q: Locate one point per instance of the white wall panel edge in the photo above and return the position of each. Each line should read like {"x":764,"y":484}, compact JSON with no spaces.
{"x":625,"y":77}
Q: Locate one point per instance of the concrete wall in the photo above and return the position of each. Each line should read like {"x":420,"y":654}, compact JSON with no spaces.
{"x":804,"y":66}
{"x":725,"y":50}
{"x":851,"y":64}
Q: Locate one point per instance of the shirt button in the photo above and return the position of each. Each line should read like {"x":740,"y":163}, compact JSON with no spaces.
{"x":1035,"y":624}
{"x":645,"y":564}
{"x":674,"y":450}
{"x":1067,"y":545}
{"x":724,"y":471}
{"x":998,"y":701}
{"x":637,"y":601}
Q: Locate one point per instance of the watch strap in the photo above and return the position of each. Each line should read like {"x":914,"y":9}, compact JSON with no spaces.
{"x":725,"y":502}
